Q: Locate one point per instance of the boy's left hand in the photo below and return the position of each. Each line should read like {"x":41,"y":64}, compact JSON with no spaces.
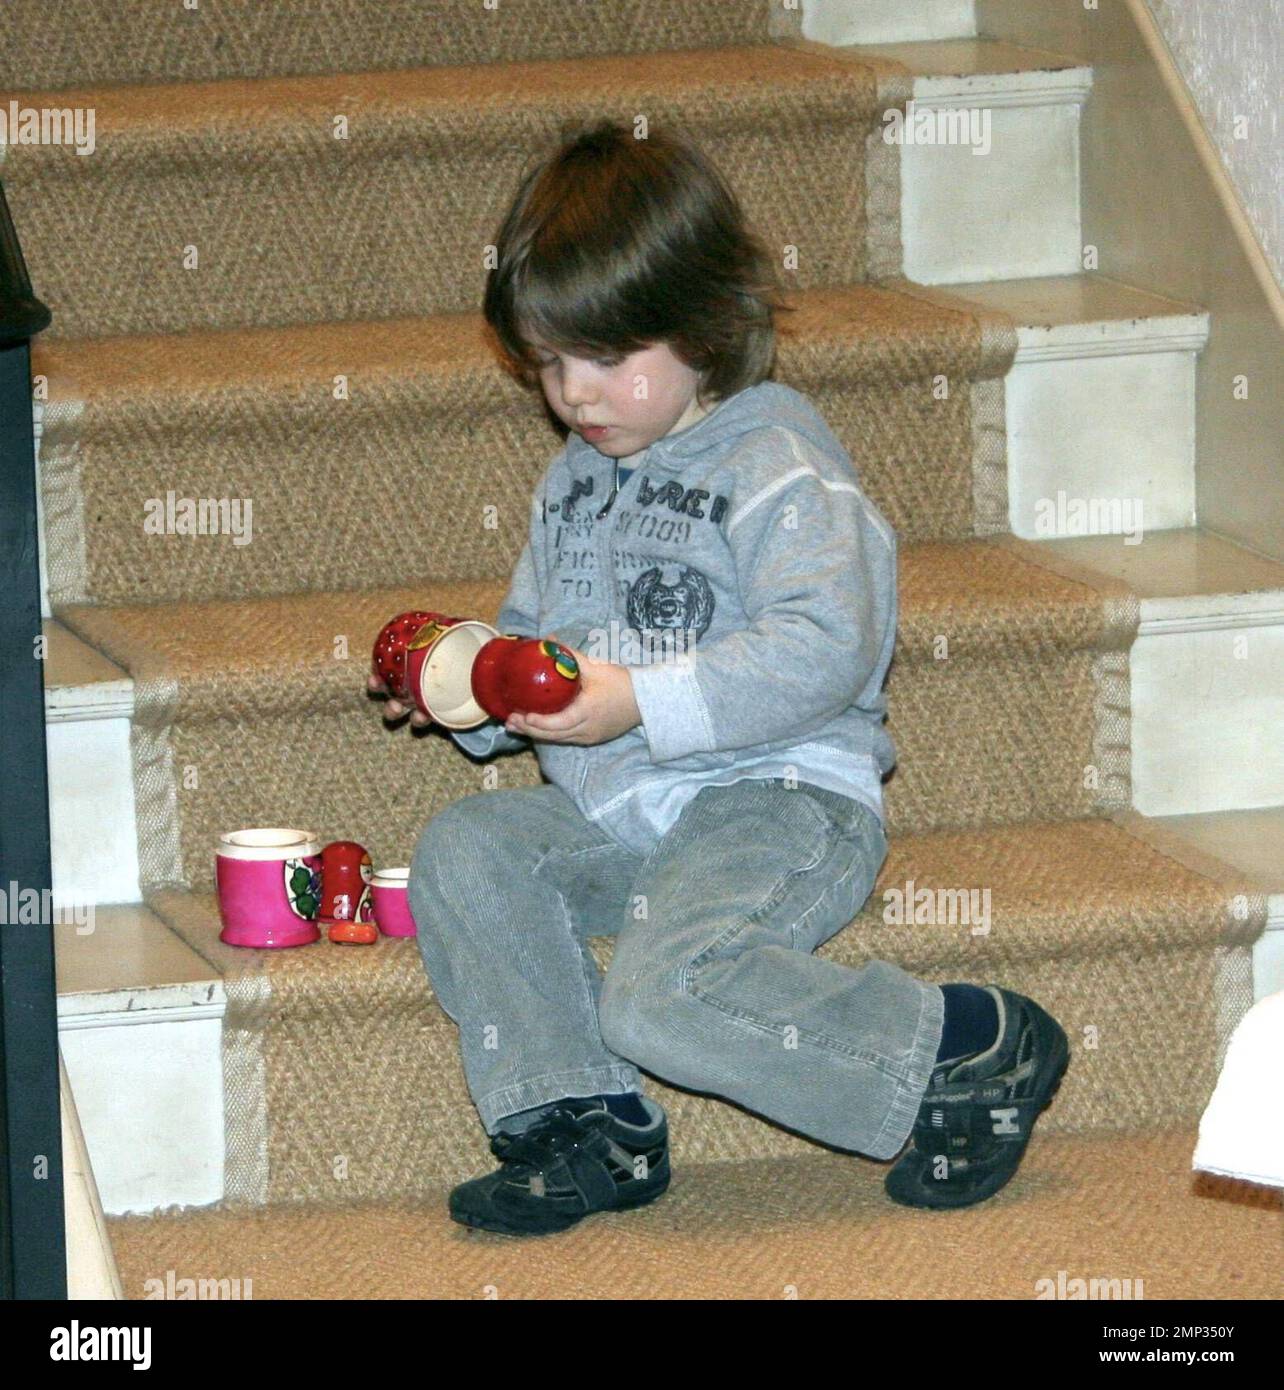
{"x":604,"y":708}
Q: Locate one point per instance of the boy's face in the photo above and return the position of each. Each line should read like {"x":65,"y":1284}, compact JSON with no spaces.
{"x":641,"y":397}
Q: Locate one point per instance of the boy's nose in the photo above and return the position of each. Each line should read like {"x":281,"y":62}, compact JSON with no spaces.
{"x":577,"y":396}
{"x":577,"y":388}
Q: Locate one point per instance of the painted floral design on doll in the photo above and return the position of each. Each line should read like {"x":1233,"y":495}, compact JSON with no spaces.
{"x":303,"y":885}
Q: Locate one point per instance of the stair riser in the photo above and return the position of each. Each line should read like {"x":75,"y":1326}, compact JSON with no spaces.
{"x":91,"y":810}
{"x":1207,"y":710}
{"x":150,"y":1097}
{"x":437,"y":493}
{"x":1268,"y":961}
{"x":1101,"y":445}
{"x":1005,"y":205}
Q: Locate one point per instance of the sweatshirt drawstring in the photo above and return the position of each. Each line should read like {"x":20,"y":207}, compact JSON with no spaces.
{"x":606,"y":506}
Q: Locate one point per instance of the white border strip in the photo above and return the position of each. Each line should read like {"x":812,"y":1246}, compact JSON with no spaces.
{"x":1070,"y":86}
{"x":123,"y":1018}
{"x":1105,"y":338}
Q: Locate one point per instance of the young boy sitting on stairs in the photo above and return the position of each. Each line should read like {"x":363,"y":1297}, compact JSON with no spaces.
{"x":714,"y":802}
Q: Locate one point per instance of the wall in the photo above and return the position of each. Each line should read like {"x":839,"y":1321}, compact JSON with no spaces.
{"x":1159,"y":207}
{"x":1231,"y":55}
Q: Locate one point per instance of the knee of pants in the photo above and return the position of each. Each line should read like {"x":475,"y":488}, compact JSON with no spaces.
{"x":451,"y":838}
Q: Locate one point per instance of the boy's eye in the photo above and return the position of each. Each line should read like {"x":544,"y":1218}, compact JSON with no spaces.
{"x":597,"y":361}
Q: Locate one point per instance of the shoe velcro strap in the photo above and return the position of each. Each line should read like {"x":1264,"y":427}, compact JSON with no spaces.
{"x":962,"y":1118}
{"x":571,"y":1163}
{"x":592,"y":1179}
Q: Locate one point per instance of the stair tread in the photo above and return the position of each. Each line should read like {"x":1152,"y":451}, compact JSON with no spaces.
{"x":506,"y":87}
{"x":500,"y":91}
{"x":1086,"y":1206}
{"x":989,"y":591}
{"x":114,"y":368}
{"x":1066,"y":889}
{"x":1181,"y":564}
{"x":1251,"y":841}
{"x":1054,"y":301}
{"x":130,"y":963}
{"x":156,"y":40}
{"x":71,"y":664}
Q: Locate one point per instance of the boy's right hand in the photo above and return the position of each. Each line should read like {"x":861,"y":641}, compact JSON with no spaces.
{"x":395,"y":710}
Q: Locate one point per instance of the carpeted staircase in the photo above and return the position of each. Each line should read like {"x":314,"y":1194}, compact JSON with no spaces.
{"x":324,"y":358}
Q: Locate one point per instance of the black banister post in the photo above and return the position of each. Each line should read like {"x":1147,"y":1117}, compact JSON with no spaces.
{"x":33,"y":1243}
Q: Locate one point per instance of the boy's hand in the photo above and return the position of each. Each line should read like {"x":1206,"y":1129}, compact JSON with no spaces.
{"x":395,"y":709}
{"x":604,"y":708}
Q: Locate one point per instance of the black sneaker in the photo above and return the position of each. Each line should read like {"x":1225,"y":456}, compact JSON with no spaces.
{"x":977,"y":1112}
{"x":575,"y":1159}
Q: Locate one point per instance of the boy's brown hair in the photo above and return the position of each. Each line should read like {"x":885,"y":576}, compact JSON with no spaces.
{"x":615,"y":243}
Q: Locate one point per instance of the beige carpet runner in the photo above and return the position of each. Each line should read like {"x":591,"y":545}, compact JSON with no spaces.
{"x":255,"y":712}
{"x":1106,"y":1216}
{"x":342,"y":1074}
{"x":375,"y":195}
{"x":156,"y":41}
{"x":322,"y":219}
{"x":390,"y":483}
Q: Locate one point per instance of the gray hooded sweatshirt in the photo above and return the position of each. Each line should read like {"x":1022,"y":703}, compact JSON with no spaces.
{"x":749,"y":585}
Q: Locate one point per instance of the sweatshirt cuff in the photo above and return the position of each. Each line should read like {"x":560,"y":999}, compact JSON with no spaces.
{"x":490,"y":737}
{"x":674,"y":717}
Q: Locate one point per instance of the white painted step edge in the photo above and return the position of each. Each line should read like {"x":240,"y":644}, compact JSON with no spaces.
{"x":135,"y":1007}
{"x":1211,"y":612}
{"x":103,"y":700}
{"x":1180,"y":332}
{"x":1069,"y":86}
